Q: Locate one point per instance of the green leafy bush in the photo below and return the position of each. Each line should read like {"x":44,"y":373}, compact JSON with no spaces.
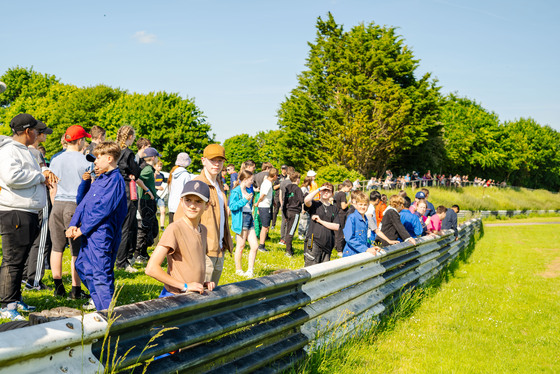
{"x":336,"y":174}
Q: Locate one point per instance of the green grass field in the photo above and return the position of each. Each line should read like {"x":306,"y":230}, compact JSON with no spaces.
{"x":496,"y":312}
{"x":479,"y":198}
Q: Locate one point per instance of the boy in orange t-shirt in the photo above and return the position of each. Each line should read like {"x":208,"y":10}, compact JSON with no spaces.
{"x":183,"y":243}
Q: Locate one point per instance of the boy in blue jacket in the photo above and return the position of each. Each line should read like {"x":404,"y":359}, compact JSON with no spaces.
{"x":98,"y":219}
{"x":356,"y":229}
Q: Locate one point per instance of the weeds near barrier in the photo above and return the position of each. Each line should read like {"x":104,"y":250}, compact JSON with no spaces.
{"x":112,"y":362}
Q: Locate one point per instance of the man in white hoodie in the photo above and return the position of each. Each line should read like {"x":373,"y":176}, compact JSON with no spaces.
{"x":22,"y":196}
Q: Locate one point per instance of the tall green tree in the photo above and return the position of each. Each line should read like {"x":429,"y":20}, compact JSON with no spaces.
{"x":240,"y":148}
{"x":171,"y":123}
{"x":359,"y":103}
{"x":473,"y":138}
{"x":533,"y":153}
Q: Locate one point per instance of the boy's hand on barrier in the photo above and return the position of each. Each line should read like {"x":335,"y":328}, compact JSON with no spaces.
{"x":376,"y":251}
{"x":195,"y":287}
{"x":210,"y":285}
{"x":391,"y":242}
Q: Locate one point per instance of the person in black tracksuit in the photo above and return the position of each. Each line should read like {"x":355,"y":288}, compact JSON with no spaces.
{"x":291,"y":209}
{"x":324,"y":222}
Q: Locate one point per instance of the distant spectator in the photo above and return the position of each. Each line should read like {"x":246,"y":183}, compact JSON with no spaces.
{"x":342,"y":205}
{"x":286,"y":182}
{"x":130,"y":171}
{"x":161,"y":188}
{"x":69,"y":167}
{"x":355,"y":230}
{"x":215,"y":218}
{"x":430,"y":211}
{"x":292,"y":210}
{"x":319,"y":242}
{"x":141,"y":144}
{"x":242,"y":223}
{"x":260,"y":177}
{"x":276,"y":207}
{"x":41,"y":249}
{"x":178,"y":177}
{"x":23,"y":196}
{"x":374,"y":233}
{"x":148,"y":228}
{"x":450,"y":221}
{"x":380,"y":209}
{"x":420,"y":210}
{"x":184,"y":244}
{"x":391,"y":224}
{"x":98,"y":218}
{"x":410,"y":222}
{"x":434,"y":222}
{"x":264,"y":205}
{"x":97,"y":136}
{"x":419,"y":196}
{"x":304,"y":218}
{"x":232,"y":176}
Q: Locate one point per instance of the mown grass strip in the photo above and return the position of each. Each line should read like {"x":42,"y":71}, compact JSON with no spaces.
{"x":498,"y":311}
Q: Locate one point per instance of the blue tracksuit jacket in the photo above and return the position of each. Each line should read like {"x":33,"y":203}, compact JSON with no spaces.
{"x":355,"y":234}
{"x":100,"y":215}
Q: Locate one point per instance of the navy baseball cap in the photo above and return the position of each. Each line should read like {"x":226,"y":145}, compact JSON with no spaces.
{"x":197,"y":188}
{"x":151,"y":152}
{"x":420,"y":195}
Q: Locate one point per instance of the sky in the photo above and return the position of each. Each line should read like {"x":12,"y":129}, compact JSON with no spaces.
{"x":238,"y":60}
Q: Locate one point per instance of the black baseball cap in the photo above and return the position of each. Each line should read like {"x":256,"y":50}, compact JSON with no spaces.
{"x":197,"y":188}
{"x":26,"y":121}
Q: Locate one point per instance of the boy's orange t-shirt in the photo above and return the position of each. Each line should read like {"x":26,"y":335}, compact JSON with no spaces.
{"x":186,"y":254}
{"x":379,"y":209}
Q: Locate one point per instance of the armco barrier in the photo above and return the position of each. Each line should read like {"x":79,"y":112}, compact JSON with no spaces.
{"x":259,"y":325}
{"x":502,"y":213}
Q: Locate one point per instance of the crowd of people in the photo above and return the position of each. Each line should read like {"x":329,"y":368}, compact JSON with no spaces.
{"x":415,"y":180}
{"x":107,"y":205}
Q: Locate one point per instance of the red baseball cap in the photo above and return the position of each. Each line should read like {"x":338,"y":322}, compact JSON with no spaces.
{"x":75,"y":132}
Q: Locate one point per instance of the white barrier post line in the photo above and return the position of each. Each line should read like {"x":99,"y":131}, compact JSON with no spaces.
{"x":62,"y":346}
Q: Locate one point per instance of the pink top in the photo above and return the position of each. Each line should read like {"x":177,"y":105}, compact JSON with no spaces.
{"x":434,"y":224}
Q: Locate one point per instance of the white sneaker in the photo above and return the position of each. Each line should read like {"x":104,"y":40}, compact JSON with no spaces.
{"x":241,"y":273}
{"x":10,"y":312}
{"x":130,"y":269}
{"x":249,"y":274}
{"x":89,"y":305}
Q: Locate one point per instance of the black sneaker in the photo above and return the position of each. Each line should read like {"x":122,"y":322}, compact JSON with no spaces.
{"x":81,"y":295}
{"x":263,"y":249}
{"x":59,"y":291}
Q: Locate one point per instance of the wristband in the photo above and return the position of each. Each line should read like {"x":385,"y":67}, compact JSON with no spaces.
{"x":185,"y":288}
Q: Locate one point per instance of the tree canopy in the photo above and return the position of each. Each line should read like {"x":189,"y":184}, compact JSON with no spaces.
{"x":172,"y":123}
{"x":359,"y":103}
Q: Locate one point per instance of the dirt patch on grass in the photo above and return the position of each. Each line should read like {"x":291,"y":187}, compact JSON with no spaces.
{"x":553,"y":269}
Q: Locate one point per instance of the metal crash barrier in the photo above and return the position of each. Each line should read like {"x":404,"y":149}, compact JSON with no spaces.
{"x":265,"y":325}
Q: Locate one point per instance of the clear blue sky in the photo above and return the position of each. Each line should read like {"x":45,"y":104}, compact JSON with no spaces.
{"x":239,"y":59}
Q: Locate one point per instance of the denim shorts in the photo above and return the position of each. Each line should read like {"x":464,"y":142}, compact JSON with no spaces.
{"x":248,"y":222}
{"x":160,"y":203}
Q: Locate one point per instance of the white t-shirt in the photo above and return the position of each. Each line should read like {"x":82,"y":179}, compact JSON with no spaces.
{"x":222,"y":211}
{"x":266,"y":191}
